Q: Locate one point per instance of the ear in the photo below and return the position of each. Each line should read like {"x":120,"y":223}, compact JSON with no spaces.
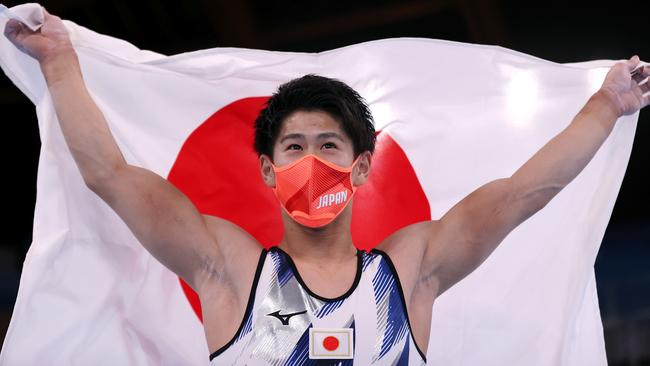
{"x":361,"y":170}
{"x":266,"y":169}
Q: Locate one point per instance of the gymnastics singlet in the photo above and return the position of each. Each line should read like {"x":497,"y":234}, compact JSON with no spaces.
{"x":285,"y":323}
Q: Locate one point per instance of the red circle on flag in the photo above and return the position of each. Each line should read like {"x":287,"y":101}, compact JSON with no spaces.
{"x":218,"y":170}
{"x":330,"y":343}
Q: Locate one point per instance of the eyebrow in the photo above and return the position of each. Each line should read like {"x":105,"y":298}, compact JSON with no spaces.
{"x":321,"y":136}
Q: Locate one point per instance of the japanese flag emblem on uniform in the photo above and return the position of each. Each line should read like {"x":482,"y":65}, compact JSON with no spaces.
{"x":331,"y":343}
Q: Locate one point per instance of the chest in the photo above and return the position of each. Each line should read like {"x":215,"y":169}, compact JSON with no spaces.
{"x":277,"y":326}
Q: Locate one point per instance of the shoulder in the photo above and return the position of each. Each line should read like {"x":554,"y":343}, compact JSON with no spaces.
{"x":238,"y":255}
{"x":233,"y":242}
{"x":407,"y":248}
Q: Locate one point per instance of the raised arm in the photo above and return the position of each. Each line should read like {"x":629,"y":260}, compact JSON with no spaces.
{"x":463,"y":238}
{"x":161,"y":217}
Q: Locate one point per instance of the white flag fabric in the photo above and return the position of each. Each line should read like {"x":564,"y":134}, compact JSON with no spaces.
{"x":462,"y":114}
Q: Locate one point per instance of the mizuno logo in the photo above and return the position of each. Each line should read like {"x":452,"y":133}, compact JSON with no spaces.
{"x":284,"y":318}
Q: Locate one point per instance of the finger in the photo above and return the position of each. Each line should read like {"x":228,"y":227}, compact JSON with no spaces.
{"x":644,"y":85}
{"x":9,"y":29}
{"x":645,"y":88}
{"x":639,"y":77}
{"x":18,"y":34}
{"x":632,"y":63}
{"x":11,"y":26}
{"x":12,"y":29}
{"x":640,"y":72}
{"x":634,"y":60}
{"x":46,"y":14}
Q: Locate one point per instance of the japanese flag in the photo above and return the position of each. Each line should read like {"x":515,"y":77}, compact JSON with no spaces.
{"x":452,"y":117}
{"x":331,"y":343}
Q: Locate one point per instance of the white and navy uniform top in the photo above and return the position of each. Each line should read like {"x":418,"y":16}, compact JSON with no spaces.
{"x":282,"y":310}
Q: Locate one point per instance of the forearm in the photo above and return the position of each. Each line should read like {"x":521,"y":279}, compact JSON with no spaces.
{"x":473,"y":228}
{"x":84,"y":127}
{"x":462,"y":239}
{"x":557,"y":163}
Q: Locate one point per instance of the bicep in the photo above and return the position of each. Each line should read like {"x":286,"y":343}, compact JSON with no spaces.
{"x":470,"y":231}
{"x":164,"y":220}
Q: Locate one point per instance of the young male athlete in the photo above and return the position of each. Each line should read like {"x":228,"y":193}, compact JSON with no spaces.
{"x":315,"y":295}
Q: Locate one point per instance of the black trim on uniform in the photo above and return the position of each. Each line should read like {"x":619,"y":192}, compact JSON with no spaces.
{"x":349,"y":292}
{"x":249,"y":305}
{"x":401,"y":295}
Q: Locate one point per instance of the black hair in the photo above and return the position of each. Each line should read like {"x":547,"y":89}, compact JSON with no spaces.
{"x":316,"y":93}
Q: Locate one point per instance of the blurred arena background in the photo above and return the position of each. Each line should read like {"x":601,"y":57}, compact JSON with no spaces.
{"x":559,"y":31}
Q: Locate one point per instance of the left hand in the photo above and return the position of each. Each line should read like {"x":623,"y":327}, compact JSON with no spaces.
{"x":624,"y":90}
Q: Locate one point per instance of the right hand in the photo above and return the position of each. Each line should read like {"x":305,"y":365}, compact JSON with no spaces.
{"x":50,"y":40}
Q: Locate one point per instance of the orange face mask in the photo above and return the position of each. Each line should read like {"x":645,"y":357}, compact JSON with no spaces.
{"x":313,"y":191}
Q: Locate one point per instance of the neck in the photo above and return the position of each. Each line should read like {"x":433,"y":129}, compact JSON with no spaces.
{"x":331,"y":243}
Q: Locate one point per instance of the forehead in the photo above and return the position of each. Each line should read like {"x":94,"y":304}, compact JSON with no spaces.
{"x":310,"y":122}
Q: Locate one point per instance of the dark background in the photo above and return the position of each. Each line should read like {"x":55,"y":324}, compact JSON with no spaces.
{"x":568,"y":31}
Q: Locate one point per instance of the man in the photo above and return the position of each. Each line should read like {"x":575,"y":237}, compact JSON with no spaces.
{"x":316,"y":132}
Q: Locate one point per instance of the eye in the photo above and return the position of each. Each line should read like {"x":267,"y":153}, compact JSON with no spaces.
{"x":329,"y":145}
{"x":294,"y":147}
